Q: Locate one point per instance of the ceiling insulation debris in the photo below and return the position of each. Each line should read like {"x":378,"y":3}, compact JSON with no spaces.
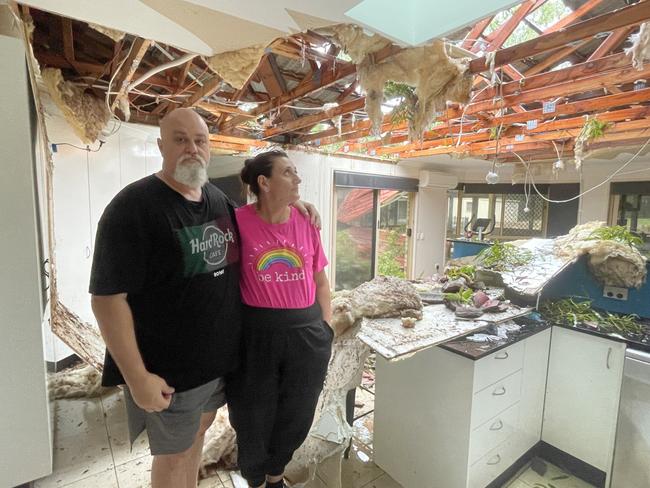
{"x":383,"y":296}
{"x":114,"y":34}
{"x":86,"y":114}
{"x":612,"y":263}
{"x":354,"y":42}
{"x":640,"y":49}
{"x":436,"y":77}
{"x":236,"y":67}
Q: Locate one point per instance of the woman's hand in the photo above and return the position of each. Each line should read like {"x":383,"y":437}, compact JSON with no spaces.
{"x":309,"y":210}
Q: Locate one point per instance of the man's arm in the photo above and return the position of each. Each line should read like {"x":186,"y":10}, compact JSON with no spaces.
{"x":323,"y":295}
{"x":150,"y":392}
{"x":308,"y":210}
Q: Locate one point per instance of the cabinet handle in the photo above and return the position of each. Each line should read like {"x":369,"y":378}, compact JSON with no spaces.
{"x":499,"y":391}
{"x":497,"y":460}
{"x":505,"y":356}
{"x":87,"y":252}
{"x":609,"y":353}
{"x":498,"y":425}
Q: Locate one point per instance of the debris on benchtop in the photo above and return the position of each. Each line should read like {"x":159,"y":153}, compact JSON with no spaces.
{"x":390,"y":339}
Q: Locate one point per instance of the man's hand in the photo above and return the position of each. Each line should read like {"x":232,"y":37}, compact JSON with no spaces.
{"x":308,"y":210}
{"x":151,"y":393}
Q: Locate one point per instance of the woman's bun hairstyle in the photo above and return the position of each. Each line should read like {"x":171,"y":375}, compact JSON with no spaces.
{"x":262,"y":164}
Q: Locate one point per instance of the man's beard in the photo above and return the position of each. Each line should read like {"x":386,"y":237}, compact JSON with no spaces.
{"x":192,"y":173}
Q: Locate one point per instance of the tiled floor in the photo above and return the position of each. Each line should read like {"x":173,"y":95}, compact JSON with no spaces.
{"x":554,"y":477}
{"x":91,"y":450}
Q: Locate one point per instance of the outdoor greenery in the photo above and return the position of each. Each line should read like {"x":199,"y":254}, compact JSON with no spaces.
{"x":593,"y":128}
{"x":468,"y":272}
{"x":616,"y":233}
{"x":543,"y":17}
{"x":463,"y":297}
{"x":387,"y":261}
{"x":504,"y":257}
{"x":571,"y":313}
{"x":351,"y":269}
{"x":404,"y":111}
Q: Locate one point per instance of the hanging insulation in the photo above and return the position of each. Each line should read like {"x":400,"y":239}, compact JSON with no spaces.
{"x":436,"y":77}
{"x":236,"y":67}
{"x":86,"y":114}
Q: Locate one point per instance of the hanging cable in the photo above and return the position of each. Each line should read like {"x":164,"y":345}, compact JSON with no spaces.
{"x":604,"y":182}
{"x":87,"y":148}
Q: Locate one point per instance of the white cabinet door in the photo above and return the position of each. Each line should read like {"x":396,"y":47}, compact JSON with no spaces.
{"x":582,"y":396}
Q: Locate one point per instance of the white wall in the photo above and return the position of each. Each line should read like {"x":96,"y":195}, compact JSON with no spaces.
{"x":25,"y":449}
{"x":84,"y":183}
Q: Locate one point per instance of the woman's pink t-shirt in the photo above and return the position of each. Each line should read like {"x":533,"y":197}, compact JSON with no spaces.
{"x":278,"y":261}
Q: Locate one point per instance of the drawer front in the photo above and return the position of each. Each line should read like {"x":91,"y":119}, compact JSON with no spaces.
{"x":494,"y":463}
{"x":492,"y":433}
{"x":498,"y":365}
{"x":497,"y":397}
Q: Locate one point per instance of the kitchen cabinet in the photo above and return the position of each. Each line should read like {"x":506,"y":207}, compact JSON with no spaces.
{"x":582,"y":396}
{"x":443,"y":420}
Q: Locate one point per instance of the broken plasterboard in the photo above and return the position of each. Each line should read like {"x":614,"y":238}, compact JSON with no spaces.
{"x":439,"y":324}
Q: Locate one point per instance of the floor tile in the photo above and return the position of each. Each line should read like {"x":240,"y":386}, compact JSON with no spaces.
{"x":77,"y":417}
{"x":364,"y":402}
{"x":212,"y":482}
{"x":516,"y":484}
{"x":363,"y":429}
{"x":78,"y":457}
{"x":105,"y":479}
{"x":135,"y":473}
{"x":384,"y":481}
{"x":316,"y":483}
{"x":357,"y":471}
{"x":554,"y":475}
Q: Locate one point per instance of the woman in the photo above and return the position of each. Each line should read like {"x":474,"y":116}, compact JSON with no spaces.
{"x":286,"y":336}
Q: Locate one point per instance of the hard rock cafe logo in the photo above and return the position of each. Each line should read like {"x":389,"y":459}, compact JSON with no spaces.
{"x":213,"y":244}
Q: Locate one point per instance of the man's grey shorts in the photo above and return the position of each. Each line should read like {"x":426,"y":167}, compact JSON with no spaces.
{"x":173,"y":431}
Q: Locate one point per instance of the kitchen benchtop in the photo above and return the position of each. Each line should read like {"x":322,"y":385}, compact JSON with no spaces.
{"x":474,"y":349}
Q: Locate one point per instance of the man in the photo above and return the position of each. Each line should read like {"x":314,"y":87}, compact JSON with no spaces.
{"x":165,"y":292}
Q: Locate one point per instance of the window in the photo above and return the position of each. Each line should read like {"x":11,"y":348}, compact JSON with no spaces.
{"x":630,"y":208}
{"x":372,"y":235}
{"x":514,"y":215}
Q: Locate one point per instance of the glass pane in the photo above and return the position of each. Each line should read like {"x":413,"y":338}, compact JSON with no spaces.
{"x":452,"y":214}
{"x":473,"y":206}
{"x":634,"y":213}
{"x":354,"y":230}
{"x":392,"y":249}
{"x":498,"y":204}
{"x":517,"y":221}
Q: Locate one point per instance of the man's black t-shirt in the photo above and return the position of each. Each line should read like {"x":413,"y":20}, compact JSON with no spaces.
{"x":178,"y":263}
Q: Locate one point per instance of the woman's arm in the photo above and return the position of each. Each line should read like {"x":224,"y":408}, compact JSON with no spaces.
{"x":323,"y":295}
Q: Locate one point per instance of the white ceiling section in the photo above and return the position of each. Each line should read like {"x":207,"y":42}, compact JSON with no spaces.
{"x":205,"y":27}
{"x":210,"y":27}
{"x":131,"y":16}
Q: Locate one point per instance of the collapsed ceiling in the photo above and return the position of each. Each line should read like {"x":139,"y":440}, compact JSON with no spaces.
{"x":516,"y":85}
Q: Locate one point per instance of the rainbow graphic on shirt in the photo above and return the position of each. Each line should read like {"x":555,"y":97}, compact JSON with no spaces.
{"x":283,"y":255}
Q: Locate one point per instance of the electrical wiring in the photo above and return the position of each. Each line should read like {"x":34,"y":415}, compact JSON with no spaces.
{"x":462,"y":116}
{"x":87,"y":148}
{"x":604,"y":182}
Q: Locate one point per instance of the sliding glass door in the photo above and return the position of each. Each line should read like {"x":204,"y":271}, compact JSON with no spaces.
{"x":372,"y":234}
